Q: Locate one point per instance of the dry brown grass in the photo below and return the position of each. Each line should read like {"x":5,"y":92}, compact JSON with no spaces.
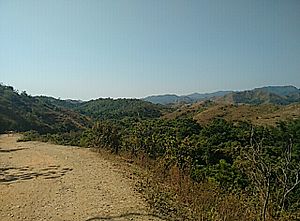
{"x":172,"y":193}
{"x":265,"y":114}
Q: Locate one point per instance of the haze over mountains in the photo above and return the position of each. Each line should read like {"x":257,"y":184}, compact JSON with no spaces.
{"x":269,"y":94}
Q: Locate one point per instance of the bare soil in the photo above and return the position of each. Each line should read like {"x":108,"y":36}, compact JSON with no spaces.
{"x":42,"y":181}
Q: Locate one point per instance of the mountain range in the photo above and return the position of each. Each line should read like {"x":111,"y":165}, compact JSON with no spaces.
{"x":282,"y":95}
{"x":23,"y":112}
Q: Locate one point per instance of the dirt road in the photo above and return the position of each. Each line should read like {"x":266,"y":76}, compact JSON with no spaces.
{"x":41,"y":181}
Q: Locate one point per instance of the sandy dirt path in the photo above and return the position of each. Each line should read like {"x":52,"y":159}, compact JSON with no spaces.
{"x":41,"y":181}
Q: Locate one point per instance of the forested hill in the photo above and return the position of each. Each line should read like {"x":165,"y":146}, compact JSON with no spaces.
{"x":281,"y":95}
{"x":120,"y":108}
{"x":107,"y":108}
{"x":68,"y":104}
{"x":22,"y":112}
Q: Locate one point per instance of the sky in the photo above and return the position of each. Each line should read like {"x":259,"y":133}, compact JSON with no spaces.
{"x":134,"y":48}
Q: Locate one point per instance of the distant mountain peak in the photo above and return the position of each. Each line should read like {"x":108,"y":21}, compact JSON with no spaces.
{"x":281,"y":95}
{"x":190,"y":98}
{"x":268,"y":94}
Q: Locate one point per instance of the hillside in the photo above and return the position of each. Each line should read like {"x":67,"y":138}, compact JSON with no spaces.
{"x":107,"y":108}
{"x":120,"y":108}
{"x":281,"y":95}
{"x":168,"y":99}
{"x":68,"y":104}
{"x":199,"y":149}
{"x":22,"y":112}
{"x":266,"y":105}
{"x":265,"y":114}
{"x":191,"y":98}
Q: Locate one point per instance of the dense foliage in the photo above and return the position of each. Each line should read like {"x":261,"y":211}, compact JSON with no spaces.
{"x":22,"y":112}
{"x":259,"y":163}
{"x":220,"y":169}
{"x":118,"y":109}
{"x":107,"y":108}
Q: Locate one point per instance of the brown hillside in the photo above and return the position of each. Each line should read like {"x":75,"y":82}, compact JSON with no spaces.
{"x":265,"y":114}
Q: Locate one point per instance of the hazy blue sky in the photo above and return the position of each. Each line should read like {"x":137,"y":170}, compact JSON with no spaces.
{"x":87,"y":49}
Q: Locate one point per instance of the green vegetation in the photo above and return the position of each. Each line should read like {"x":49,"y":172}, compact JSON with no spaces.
{"x":22,"y":112}
{"x":103,"y":109}
{"x":280,"y":95}
{"x":209,"y":171}
{"x":107,"y":108}
{"x":248,"y":166}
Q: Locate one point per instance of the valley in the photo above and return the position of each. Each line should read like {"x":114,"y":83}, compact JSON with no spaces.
{"x":215,"y":154}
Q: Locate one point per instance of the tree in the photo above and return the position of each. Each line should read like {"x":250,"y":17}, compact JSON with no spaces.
{"x":105,"y":134}
{"x":273,"y":169}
